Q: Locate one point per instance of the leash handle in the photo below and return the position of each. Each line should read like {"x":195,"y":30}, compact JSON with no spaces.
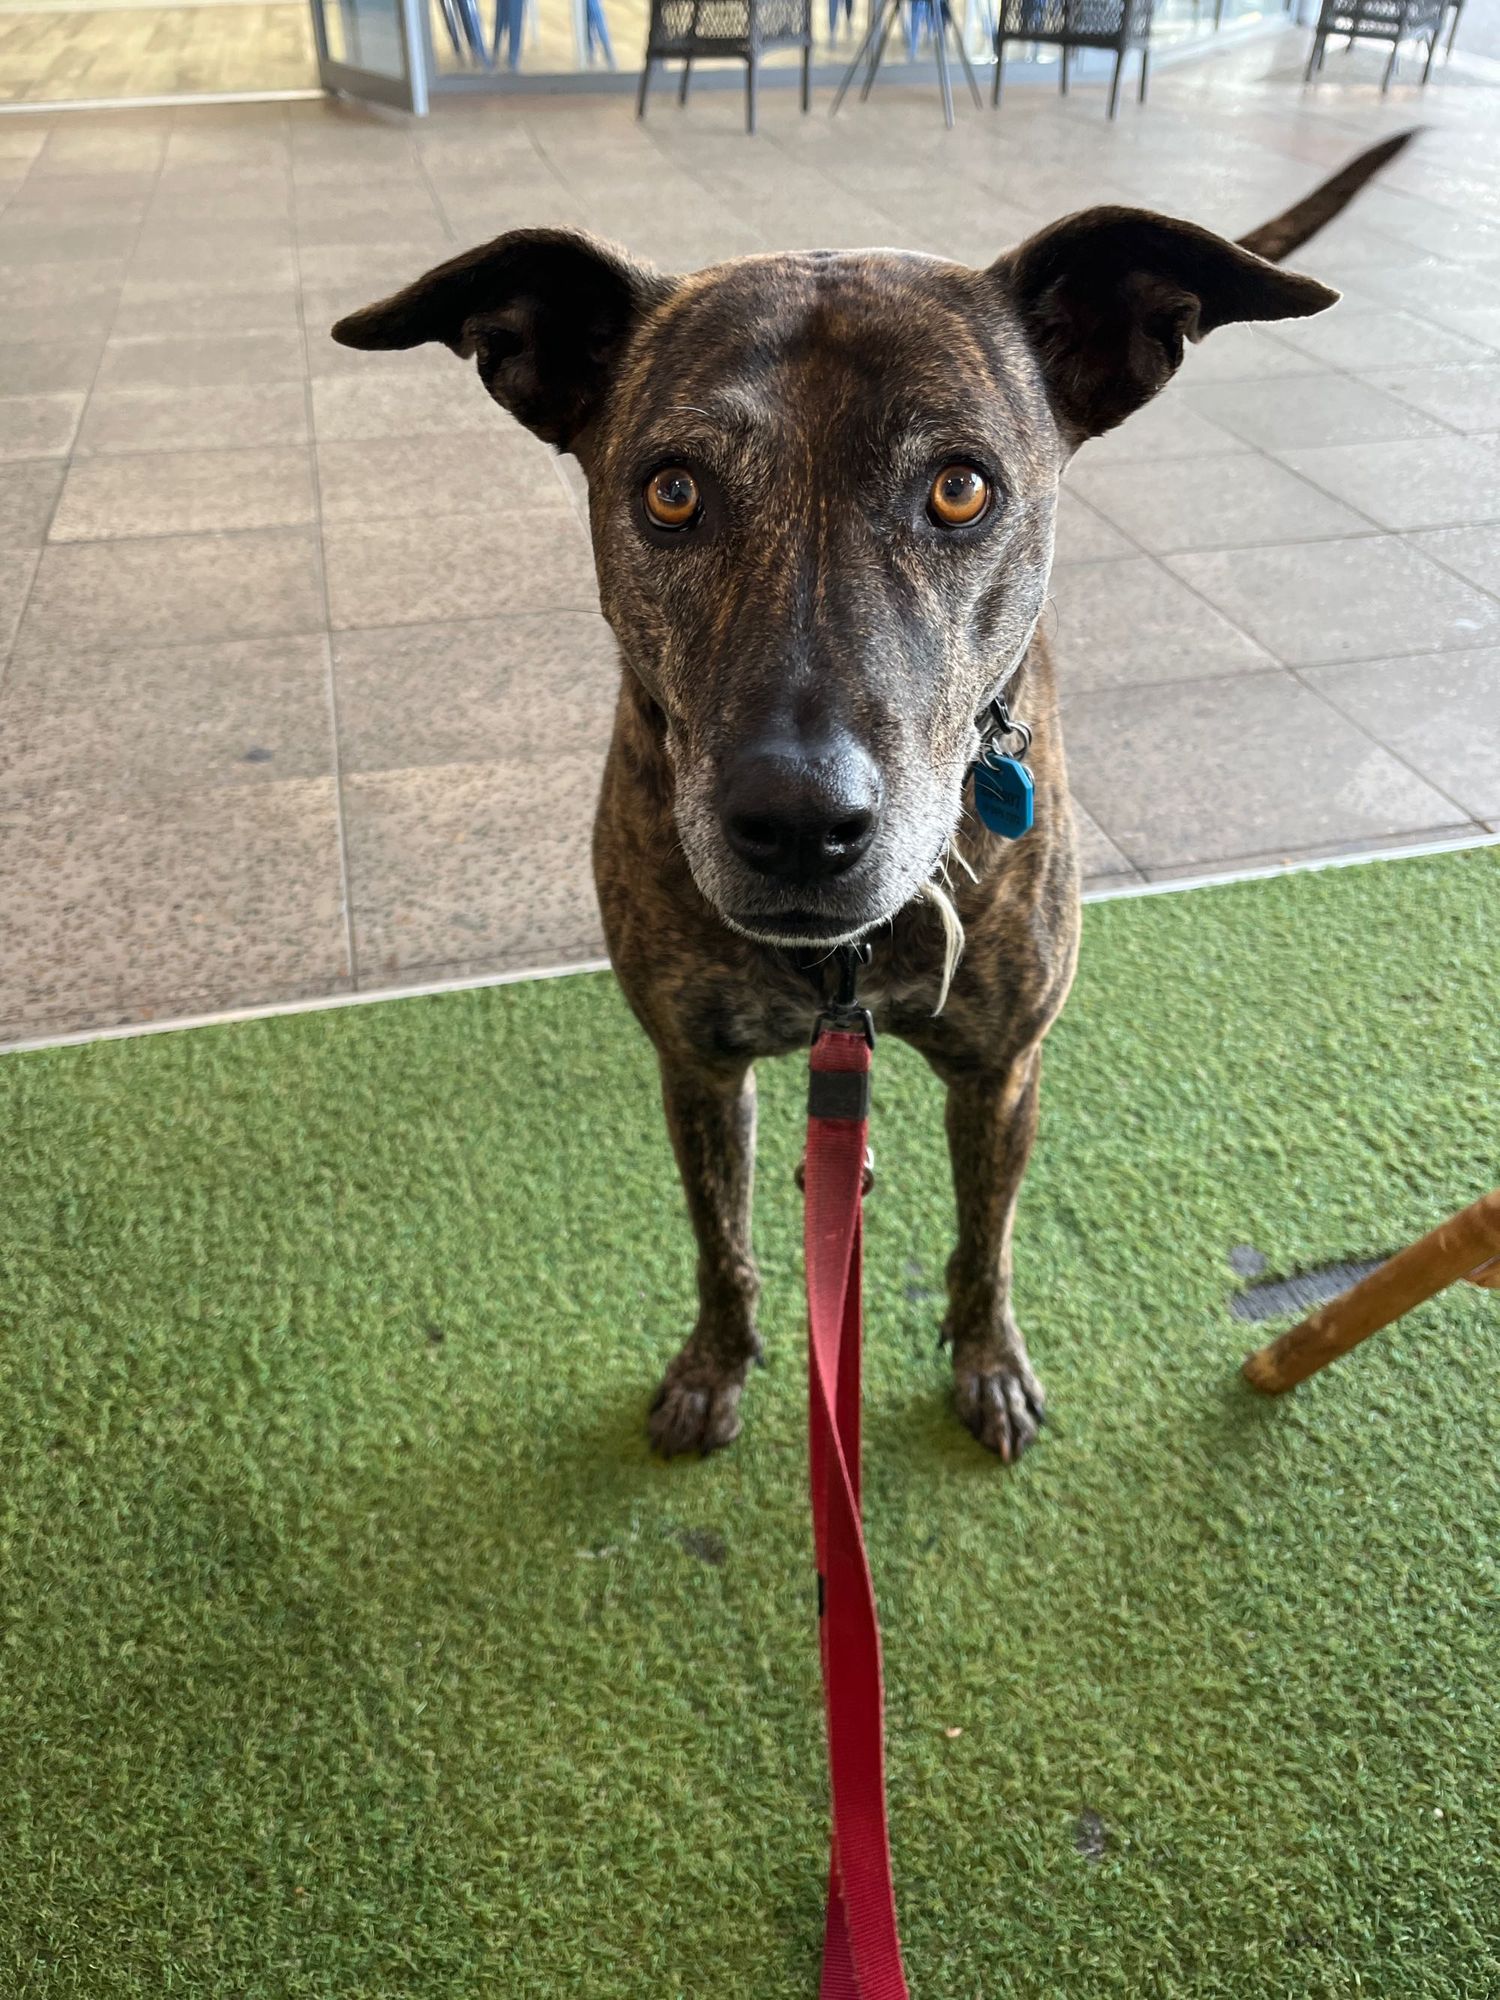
{"x":861,"y":1945}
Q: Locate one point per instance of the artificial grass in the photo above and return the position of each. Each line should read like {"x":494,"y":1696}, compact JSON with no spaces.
{"x":351,"y":1643}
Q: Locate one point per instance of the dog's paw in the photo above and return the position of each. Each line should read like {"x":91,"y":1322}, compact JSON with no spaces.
{"x":999,"y":1399}
{"x":697,"y":1407}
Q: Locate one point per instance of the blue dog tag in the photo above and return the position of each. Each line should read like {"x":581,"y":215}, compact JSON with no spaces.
{"x":1003,"y":795}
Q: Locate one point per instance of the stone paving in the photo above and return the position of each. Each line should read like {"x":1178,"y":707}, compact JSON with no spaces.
{"x":304,"y":688}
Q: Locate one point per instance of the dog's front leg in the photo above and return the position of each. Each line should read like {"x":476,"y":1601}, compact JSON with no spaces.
{"x":991,"y":1124}
{"x":711,"y":1116}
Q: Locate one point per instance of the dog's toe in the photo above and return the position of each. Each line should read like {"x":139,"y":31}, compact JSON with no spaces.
{"x":694,"y":1410}
{"x":1000,"y":1402}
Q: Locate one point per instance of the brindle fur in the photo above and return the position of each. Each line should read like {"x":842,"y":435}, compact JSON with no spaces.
{"x":816,"y":393}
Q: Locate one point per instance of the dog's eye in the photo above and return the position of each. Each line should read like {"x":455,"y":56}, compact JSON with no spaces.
{"x":672,"y":497}
{"x":959,"y":496}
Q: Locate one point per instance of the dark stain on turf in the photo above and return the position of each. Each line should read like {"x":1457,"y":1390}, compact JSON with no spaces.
{"x":1091,"y":1836}
{"x":704,"y":1544}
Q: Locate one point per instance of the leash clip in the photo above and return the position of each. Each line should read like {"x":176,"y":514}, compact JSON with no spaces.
{"x":1003,"y":723}
{"x":843,"y":1012}
{"x":1004,"y":796}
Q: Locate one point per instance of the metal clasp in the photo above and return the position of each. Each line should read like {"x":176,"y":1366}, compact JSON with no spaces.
{"x":1002,"y":724}
{"x":843,"y":1012}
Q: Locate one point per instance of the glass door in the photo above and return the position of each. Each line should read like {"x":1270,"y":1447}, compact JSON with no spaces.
{"x":373,"y":49}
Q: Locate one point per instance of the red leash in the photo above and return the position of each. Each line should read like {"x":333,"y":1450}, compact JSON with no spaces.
{"x":861,"y":1949}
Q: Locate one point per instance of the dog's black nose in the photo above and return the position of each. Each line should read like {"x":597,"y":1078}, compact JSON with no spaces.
{"x":801,"y":813}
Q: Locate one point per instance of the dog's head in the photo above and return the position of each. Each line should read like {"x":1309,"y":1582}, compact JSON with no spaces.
{"x":822,"y":489}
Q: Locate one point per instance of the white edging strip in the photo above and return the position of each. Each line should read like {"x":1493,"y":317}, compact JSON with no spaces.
{"x":325,"y":1003}
{"x":1271,"y":871}
{"x":177,"y":101}
{"x":275,"y":1009}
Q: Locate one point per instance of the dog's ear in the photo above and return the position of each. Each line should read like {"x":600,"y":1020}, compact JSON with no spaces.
{"x":546,"y":313}
{"x":1108,"y":297}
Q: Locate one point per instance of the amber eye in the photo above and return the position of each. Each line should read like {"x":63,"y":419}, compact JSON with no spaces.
{"x":959,"y":495}
{"x":672,"y":497}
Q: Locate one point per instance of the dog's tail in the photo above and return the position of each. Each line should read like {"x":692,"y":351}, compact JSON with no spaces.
{"x":1277,"y":240}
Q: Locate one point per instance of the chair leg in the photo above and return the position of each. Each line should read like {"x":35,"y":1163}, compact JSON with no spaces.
{"x":1140,"y":95}
{"x":948,"y":22}
{"x":1114,"y":87}
{"x":999,"y":80}
{"x":860,"y":54}
{"x":1063,"y":72}
{"x":877,"y":53}
{"x":807,"y":78}
{"x":1431,"y":51}
{"x":1312,"y":59}
{"x":640,"y":96}
{"x":1459,"y":1248}
{"x":945,"y":84}
{"x":1390,"y":68}
{"x":687,"y":78}
{"x":751,"y":80}
{"x":1453,"y":30}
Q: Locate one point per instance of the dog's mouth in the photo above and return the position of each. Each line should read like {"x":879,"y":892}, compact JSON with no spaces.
{"x":804,"y":928}
{"x":797,"y":929}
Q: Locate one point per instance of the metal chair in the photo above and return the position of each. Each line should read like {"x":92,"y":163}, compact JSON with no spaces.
{"x":936,"y":17}
{"x":686,"y":30}
{"x":1118,"y":25}
{"x":1393,"y":21}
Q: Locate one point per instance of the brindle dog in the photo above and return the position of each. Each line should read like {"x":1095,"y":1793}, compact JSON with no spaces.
{"x":821,"y":488}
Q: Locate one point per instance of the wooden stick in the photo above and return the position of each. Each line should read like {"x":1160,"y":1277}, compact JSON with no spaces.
{"x":1466,"y":1245}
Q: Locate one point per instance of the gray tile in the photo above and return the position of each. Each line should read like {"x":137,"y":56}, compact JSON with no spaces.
{"x":1208,"y":771}
{"x":1212,"y":503}
{"x":32,"y":367}
{"x":185,"y":493}
{"x":434,"y":857}
{"x":387,"y":402}
{"x":125,"y":722}
{"x":143,"y":311}
{"x":1129,"y":622}
{"x":176,"y":588}
{"x":28,"y":493}
{"x":25,"y":318}
{"x":1354,"y":600}
{"x":376,"y":268}
{"x":153,"y":420}
{"x":1393,"y":841}
{"x":223,"y":898}
{"x":425,"y":569}
{"x":1473,"y":552}
{"x":182,"y":361}
{"x":37,"y":426}
{"x":17,"y":568}
{"x":57,"y":238}
{"x":483,"y":691}
{"x":1100,"y":862}
{"x":1410,"y":483}
{"x":502,"y":470}
{"x":1468,"y":398}
{"x":1308,"y":410}
{"x":1377,"y":340}
{"x":1440,"y":714}
{"x":217,"y":262}
{"x":1168,"y":427}
{"x":1243,"y":354}
{"x":1084,"y":535}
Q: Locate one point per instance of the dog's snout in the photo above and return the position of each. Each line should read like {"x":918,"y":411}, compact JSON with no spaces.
{"x":801,"y":813}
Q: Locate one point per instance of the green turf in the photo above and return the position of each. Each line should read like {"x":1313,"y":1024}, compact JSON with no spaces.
{"x":351,"y":1643}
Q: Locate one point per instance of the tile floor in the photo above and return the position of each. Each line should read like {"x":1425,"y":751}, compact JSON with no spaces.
{"x":304,"y":688}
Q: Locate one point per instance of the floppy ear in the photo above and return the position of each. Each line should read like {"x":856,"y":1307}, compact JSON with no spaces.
{"x":546,"y":313}
{"x":1108,"y":297}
